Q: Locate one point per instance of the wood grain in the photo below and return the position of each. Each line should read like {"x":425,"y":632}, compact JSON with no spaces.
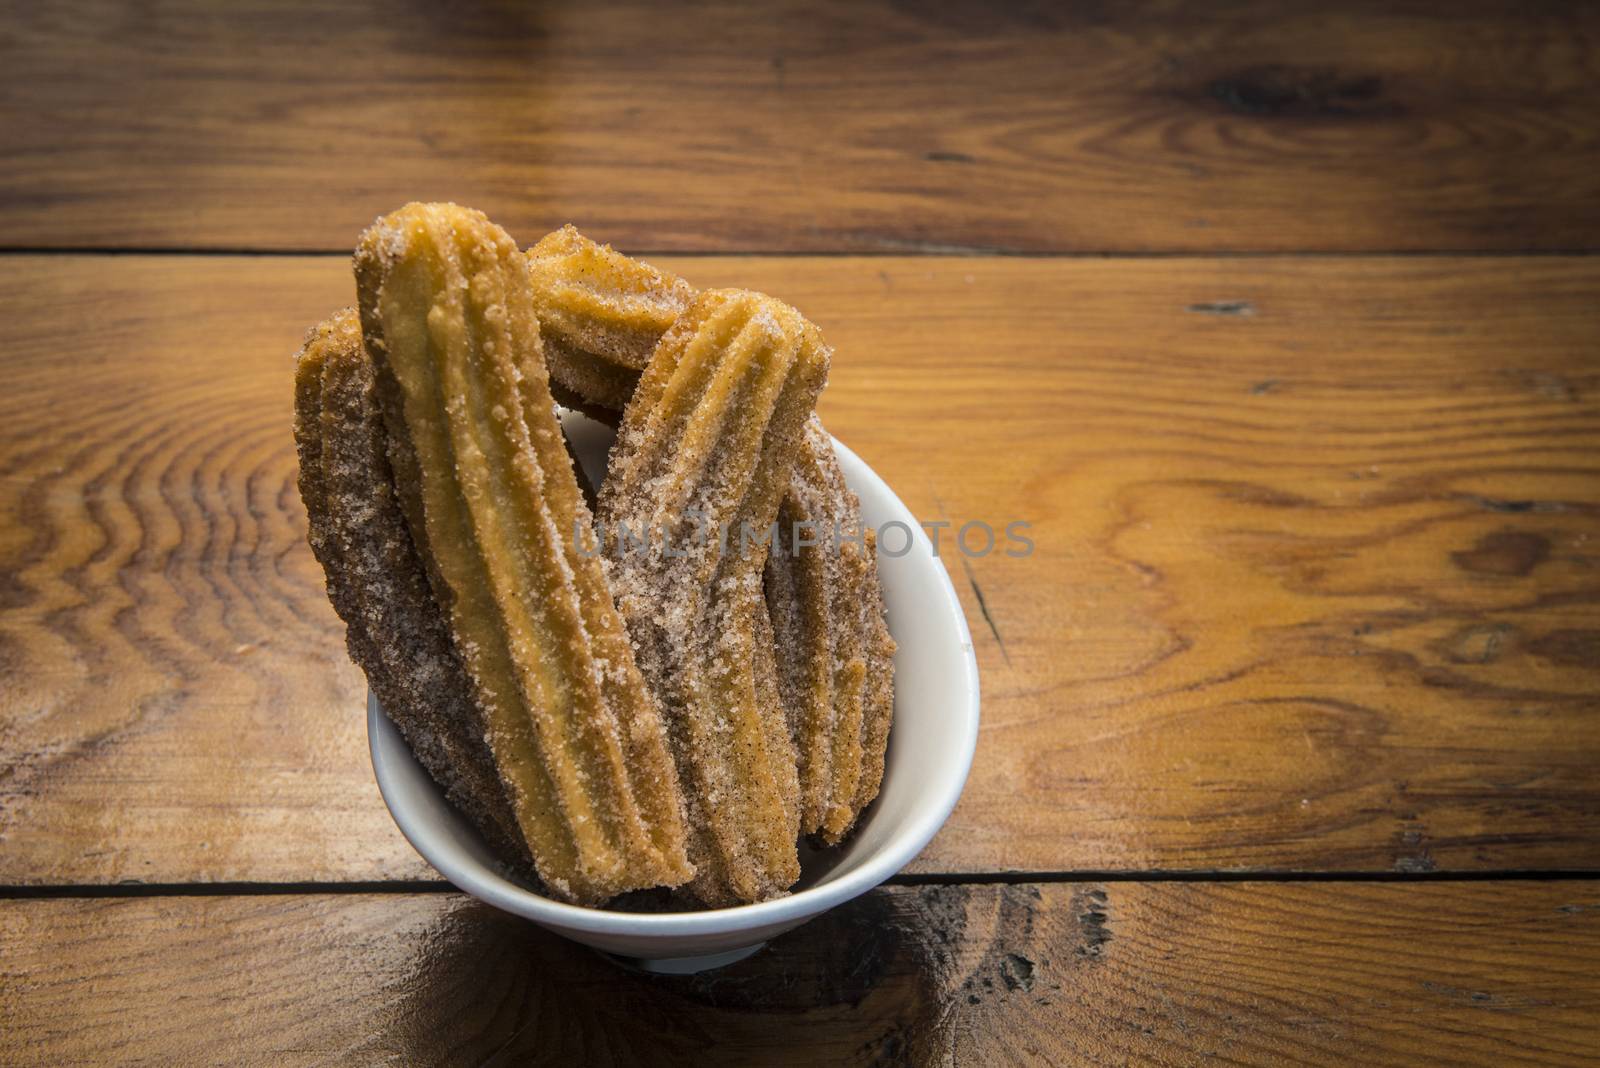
{"x":1473,"y":973}
{"x":1314,"y":584}
{"x":809,"y":125}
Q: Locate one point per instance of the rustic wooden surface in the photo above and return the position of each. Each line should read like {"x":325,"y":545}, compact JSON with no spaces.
{"x":809,"y":125}
{"x":1291,"y":720}
{"x":1484,"y":973}
{"x":1313,"y":587}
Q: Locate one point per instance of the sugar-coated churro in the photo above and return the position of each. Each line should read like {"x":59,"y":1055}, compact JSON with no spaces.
{"x":601,"y":313}
{"x":878,"y":712}
{"x":702,"y":458}
{"x":376,"y":581}
{"x":834,"y":652}
{"x":491,"y":502}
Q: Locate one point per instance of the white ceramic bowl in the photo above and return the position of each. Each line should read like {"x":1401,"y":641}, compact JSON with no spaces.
{"x":930,"y":750}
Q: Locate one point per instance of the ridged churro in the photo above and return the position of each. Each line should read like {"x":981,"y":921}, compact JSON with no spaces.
{"x":601,"y":314}
{"x":376,"y":581}
{"x":491,"y":502}
{"x":834,"y":653}
{"x":706,"y":447}
{"x":878,"y":715}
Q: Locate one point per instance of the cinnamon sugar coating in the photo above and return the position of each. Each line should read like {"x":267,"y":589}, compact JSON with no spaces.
{"x":833,"y":649}
{"x":705,"y":447}
{"x":878,"y":715}
{"x":601,"y":313}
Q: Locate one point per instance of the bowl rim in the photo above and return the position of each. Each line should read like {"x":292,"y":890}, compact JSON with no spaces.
{"x":905,"y":843}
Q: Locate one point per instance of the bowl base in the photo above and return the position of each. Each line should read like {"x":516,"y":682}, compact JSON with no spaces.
{"x":682,"y":965}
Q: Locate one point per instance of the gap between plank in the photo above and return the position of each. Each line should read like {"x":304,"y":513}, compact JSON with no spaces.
{"x":439,"y":886}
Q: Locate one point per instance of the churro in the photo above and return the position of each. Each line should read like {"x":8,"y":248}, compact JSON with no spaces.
{"x":834,"y":653}
{"x":702,"y":458}
{"x":878,"y":714}
{"x":376,"y":581}
{"x":492,"y":505}
{"x":601,"y":314}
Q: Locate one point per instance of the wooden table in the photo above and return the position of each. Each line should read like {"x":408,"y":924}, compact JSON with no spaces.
{"x":1277,"y":322}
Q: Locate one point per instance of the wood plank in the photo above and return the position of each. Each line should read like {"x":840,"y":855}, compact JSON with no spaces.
{"x":1467,"y":973}
{"x":1314,"y":585}
{"x":809,"y":125}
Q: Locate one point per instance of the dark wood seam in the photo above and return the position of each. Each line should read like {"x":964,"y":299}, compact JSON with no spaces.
{"x":435,"y":886}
